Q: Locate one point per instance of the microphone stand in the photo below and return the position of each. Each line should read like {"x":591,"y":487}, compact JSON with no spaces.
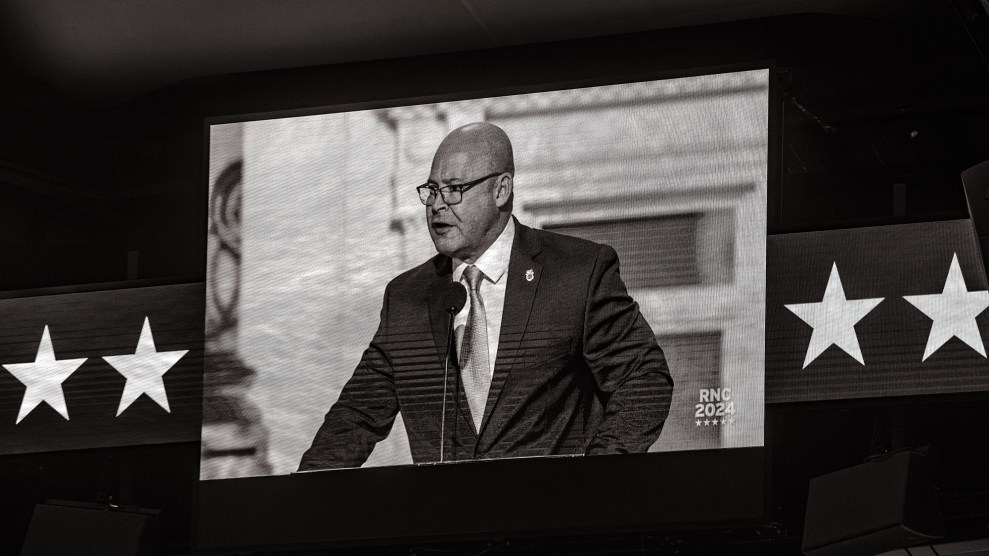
{"x":446,"y":375}
{"x":452,"y":297}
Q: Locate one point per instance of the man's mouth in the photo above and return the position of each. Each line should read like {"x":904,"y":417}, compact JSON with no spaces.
{"x":441,"y":226}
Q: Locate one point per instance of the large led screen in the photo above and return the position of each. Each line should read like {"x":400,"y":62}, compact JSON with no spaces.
{"x":611,"y":246}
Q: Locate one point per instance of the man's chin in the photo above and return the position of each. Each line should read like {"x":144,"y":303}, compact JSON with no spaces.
{"x":445,"y":246}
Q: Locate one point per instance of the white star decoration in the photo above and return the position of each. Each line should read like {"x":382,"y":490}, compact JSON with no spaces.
{"x":833,"y":319}
{"x":43,"y":378}
{"x":143,"y":370}
{"x":714,"y":422}
{"x":953,"y":312}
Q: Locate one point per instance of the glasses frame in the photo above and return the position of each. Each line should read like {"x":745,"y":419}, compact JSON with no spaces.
{"x":430,"y":200}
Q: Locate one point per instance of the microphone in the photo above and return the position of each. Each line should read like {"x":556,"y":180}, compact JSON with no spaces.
{"x":452,"y":296}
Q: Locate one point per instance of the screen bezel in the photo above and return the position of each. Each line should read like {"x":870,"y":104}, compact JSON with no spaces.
{"x":351,"y":507}
{"x":701,"y":488}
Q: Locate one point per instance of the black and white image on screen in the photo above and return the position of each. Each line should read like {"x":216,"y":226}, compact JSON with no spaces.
{"x":323,"y":213}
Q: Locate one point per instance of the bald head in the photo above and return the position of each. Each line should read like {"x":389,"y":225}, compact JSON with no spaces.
{"x":485,"y":146}
{"x":477,"y":157}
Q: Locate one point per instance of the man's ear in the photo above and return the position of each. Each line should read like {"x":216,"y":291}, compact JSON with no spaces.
{"x":503,"y":190}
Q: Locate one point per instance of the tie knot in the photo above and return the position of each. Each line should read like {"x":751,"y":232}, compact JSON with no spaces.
{"x":473,"y":276}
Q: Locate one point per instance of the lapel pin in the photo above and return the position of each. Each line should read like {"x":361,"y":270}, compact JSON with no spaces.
{"x":529,"y":275}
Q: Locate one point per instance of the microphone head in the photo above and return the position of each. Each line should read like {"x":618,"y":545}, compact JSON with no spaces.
{"x":452,"y":297}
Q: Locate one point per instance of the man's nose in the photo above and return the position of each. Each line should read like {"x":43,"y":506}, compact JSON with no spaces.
{"x":439,"y":203}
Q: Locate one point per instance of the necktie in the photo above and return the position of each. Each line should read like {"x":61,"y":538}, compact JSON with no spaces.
{"x":475,"y":371}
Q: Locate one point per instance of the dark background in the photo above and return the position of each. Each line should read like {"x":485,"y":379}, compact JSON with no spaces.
{"x":102,"y":180}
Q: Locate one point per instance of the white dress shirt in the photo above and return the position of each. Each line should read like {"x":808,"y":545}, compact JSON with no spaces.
{"x":493,"y":264}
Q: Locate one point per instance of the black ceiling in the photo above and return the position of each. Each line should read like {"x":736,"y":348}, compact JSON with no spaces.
{"x":107,"y":51}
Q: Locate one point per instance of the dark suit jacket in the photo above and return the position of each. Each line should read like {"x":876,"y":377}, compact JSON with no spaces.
{"x":578,"y":370}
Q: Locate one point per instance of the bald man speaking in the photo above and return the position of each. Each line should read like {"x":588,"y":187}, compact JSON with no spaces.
{"x":550,"y":355}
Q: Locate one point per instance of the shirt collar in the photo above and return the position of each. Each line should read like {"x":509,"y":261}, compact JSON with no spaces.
{"x":494,"y":261}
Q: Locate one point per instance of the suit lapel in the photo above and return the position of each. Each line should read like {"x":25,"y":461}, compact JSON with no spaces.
{"x":523,"y":277}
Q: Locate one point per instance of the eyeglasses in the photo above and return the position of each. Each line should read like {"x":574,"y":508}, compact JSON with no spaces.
{"x":452,"y":194}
